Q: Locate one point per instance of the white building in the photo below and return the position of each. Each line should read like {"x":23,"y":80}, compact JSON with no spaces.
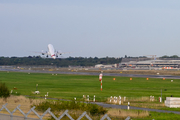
{"x":106,"y":66}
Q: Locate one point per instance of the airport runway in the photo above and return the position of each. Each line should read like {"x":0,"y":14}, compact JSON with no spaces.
{"x":91,"y":73}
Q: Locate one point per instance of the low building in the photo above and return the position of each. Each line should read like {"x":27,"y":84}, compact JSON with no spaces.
{"x":164,"y":64}
{"x":106,"y":66}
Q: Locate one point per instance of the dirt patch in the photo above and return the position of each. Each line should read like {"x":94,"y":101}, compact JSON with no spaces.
{"x":119,"y":113}
{"x":25,"y":105}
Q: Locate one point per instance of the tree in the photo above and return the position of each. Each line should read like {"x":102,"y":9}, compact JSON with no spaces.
{"x":174,"y":56}
{"x":165,"y":56}
{"x":4,"y":91}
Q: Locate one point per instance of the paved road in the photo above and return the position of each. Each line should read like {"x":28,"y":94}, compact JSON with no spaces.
{"x":91,"y":73}
{"x":131,"y":107}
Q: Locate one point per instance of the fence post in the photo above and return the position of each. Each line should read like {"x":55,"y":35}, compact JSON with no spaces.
{"x":88,"y":98}
{"x":75,"y":100}
{"x":119,"y":100}
{"x":116,"y":99}
{"x":128,"y":105}
{"x":110,"y":99}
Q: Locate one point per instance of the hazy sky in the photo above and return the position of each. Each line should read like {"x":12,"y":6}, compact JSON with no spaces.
{"x":90,"y":28}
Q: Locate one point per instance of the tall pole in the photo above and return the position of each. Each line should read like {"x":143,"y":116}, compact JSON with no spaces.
{"x":100,"y":79}
{"x":101,"y":85}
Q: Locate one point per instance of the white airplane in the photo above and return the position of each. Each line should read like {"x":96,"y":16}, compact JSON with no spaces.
{"x":51,"y":52}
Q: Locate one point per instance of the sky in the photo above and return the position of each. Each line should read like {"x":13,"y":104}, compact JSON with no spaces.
{"x":90,"y":28}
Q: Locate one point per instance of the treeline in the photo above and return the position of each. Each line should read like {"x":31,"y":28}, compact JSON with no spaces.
{"x":173,"y":56}
{"x":59,"y":62}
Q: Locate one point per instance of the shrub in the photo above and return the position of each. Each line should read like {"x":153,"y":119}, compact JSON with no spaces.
{"x":97,"y":110}
{"x":4,"y":91}
{"x":93,"y":110}
{"x":57,"y":106}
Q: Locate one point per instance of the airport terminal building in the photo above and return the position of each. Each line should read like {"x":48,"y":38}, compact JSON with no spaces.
{"x":148,"y":63}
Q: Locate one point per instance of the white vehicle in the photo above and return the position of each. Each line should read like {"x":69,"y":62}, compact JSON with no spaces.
{"x":51,"y":52}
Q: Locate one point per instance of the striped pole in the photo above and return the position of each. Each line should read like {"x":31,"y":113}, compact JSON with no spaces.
{"x":100,"y":76}
{"x":101,"y":85}
{"x":100,"y":79}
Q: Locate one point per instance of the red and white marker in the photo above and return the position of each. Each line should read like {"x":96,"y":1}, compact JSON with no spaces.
{"x":101,"y":85}
{"x":100,"y":79}
{"x":100,"y":76}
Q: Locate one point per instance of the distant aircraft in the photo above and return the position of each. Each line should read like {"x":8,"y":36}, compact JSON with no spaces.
{"x":51,"y":51}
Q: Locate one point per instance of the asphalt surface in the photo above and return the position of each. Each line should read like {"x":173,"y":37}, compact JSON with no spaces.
{"x":106,"y":74}
{"x":91,"y":73}
{"x":136,"y":108}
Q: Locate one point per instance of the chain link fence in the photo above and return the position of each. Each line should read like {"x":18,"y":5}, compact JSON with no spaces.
{"x":24,"y":116}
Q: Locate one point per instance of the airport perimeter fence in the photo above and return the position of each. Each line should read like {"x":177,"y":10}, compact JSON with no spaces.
{"x":24,"y":116}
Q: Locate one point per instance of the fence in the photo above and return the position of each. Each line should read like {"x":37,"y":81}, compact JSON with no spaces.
{"x":40,"y":117}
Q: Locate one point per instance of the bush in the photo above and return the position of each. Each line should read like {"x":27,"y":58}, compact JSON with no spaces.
{"x":57,"y":106}
{"x":97,"y":110}
{"x":4,"y":91}
{"x":93,"y":110}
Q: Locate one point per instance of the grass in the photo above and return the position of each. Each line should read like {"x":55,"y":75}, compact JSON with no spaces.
{"x":71,"y":86}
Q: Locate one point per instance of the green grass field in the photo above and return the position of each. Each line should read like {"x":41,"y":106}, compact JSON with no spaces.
{"x":70,"y":86}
